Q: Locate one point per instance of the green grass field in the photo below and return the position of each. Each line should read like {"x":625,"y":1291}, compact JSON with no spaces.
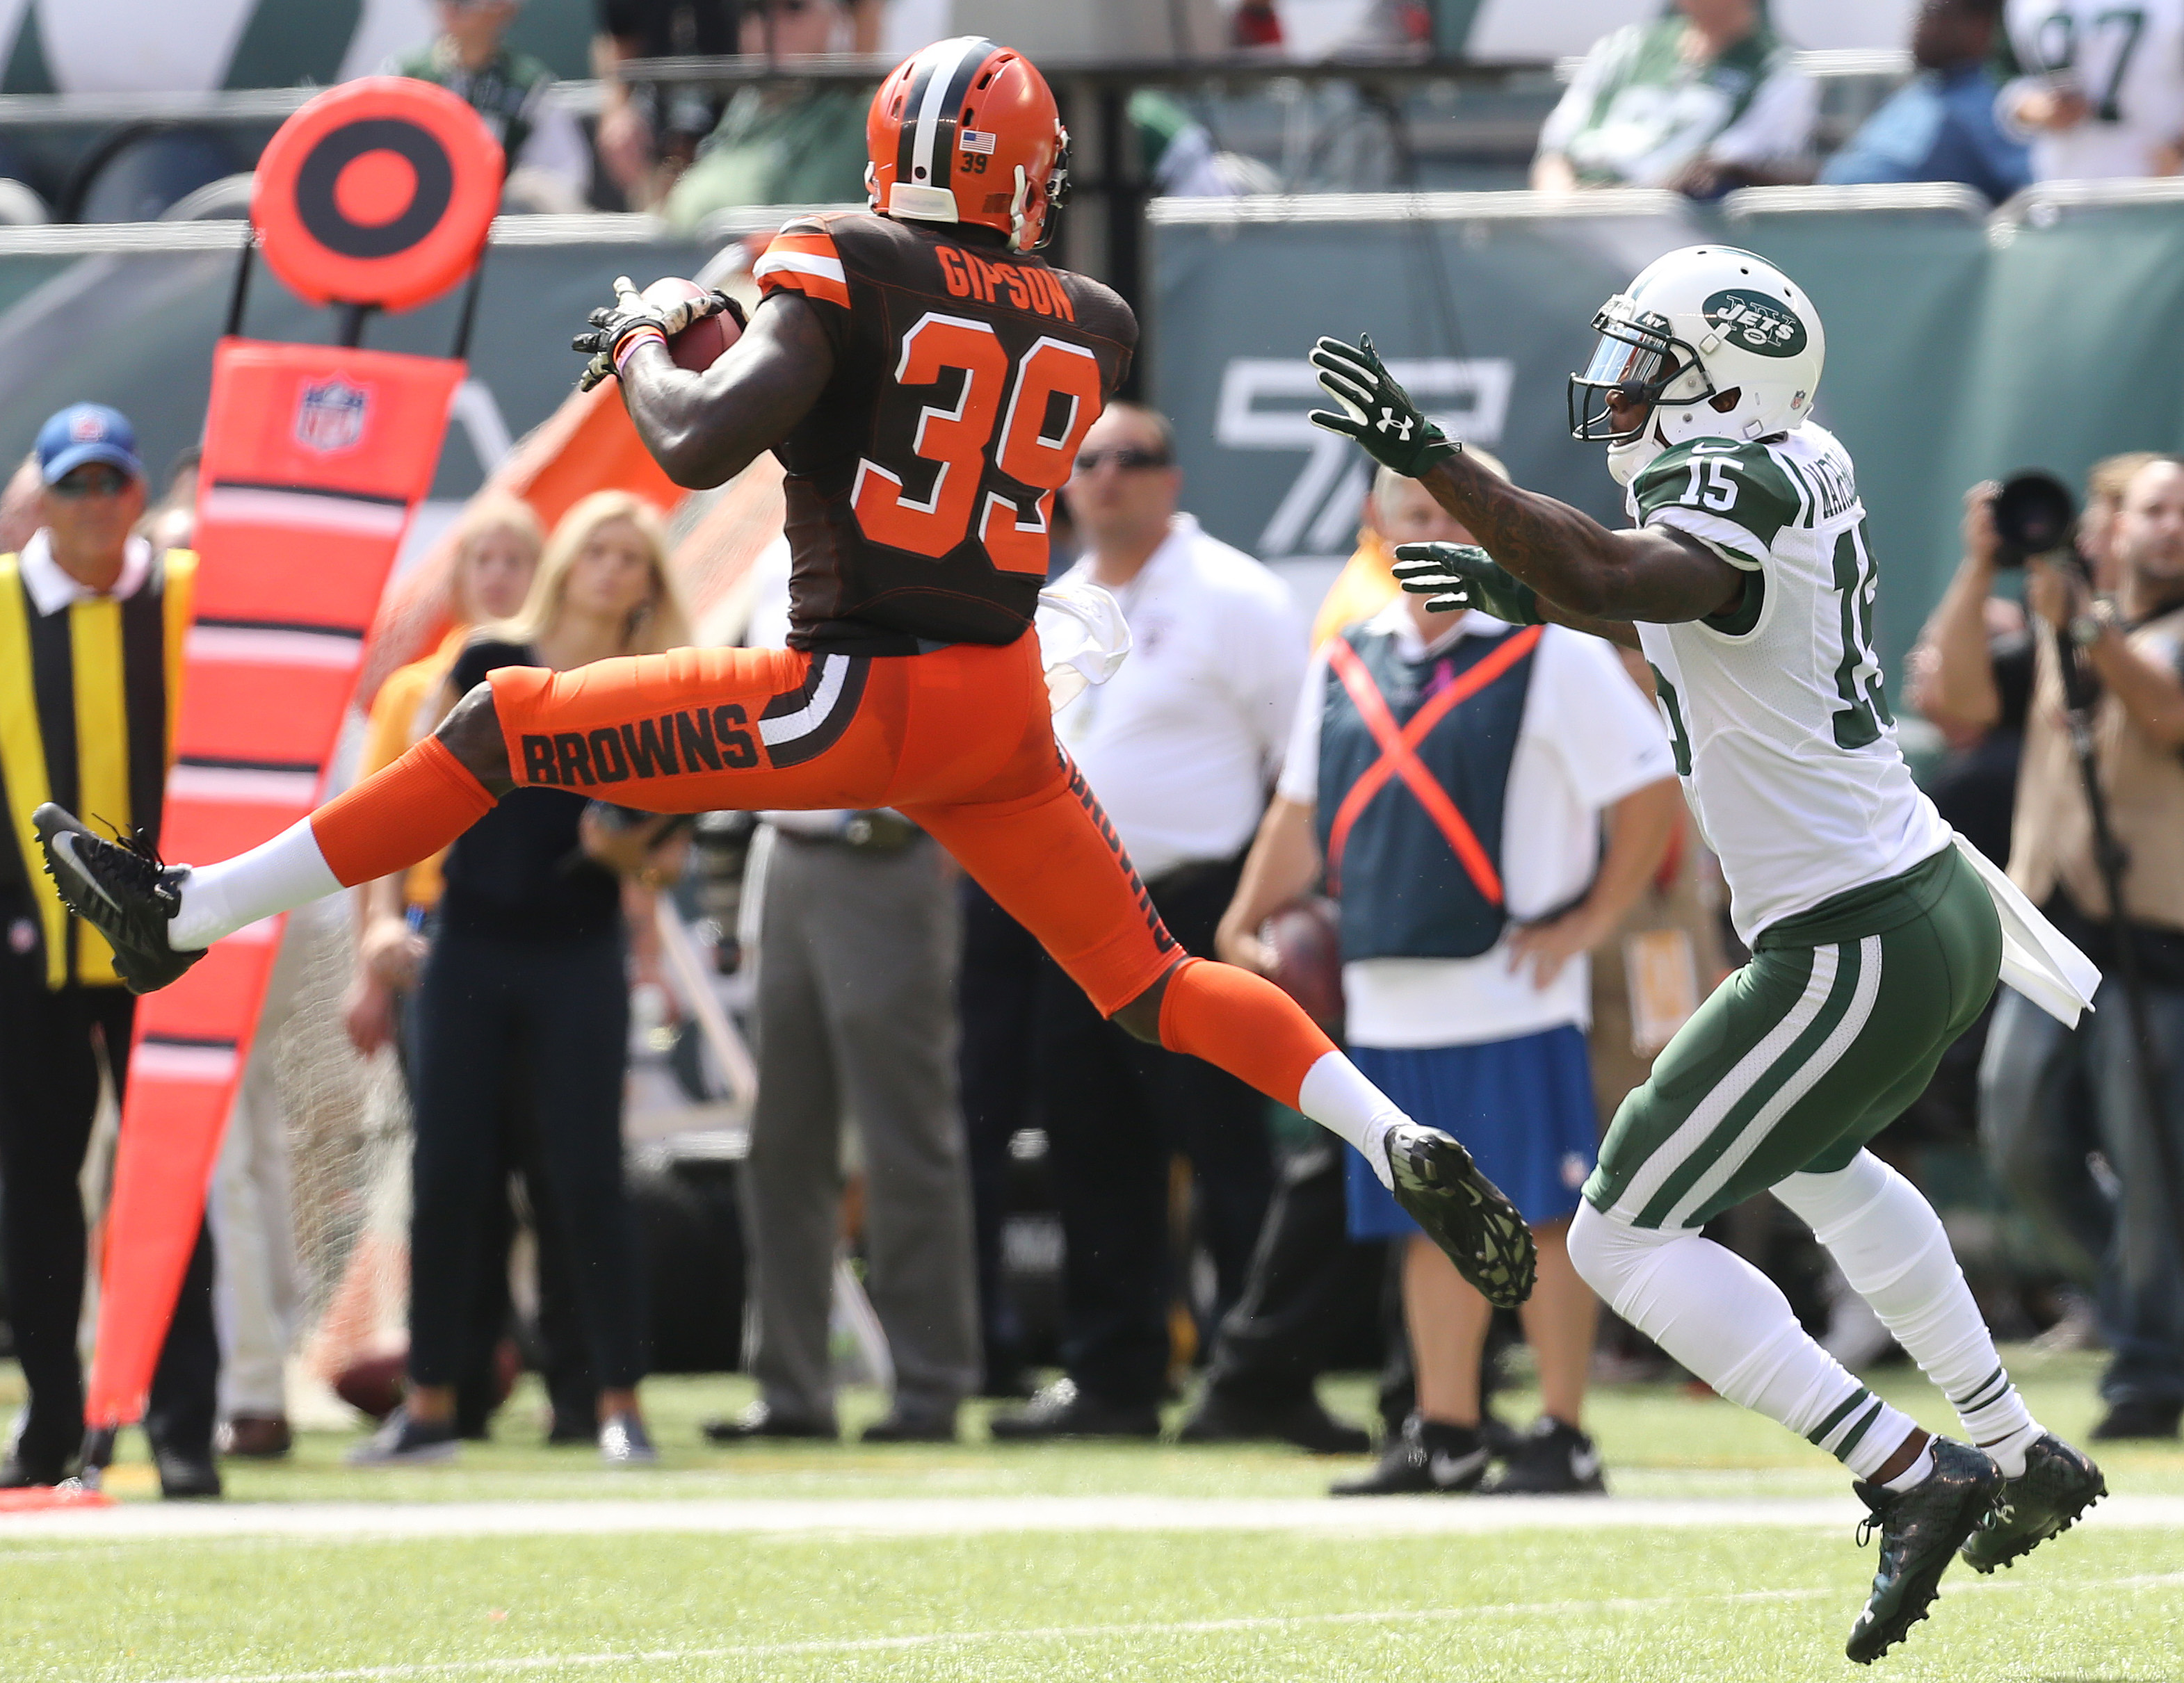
{"x":1573,"y":1597}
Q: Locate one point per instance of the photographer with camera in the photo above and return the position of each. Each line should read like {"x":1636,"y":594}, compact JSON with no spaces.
{"x":2127,"y":697}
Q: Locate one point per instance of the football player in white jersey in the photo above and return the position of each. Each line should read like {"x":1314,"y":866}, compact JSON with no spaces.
{"x":1749,"y":581}
{"x":2101,"y":88}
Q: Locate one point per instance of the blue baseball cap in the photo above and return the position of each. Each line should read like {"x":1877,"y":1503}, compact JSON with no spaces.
{"x":86,"y":432}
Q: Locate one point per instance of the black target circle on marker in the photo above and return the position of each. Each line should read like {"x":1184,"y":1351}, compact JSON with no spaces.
{"x":332,"y":227}
{"x":379,"y":192}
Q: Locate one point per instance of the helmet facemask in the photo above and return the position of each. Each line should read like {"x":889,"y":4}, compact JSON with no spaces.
{"x":1057,"y":191}
{"x":1639,"y":360}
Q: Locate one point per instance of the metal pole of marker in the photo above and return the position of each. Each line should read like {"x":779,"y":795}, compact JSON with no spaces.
{"x":240,"y":296}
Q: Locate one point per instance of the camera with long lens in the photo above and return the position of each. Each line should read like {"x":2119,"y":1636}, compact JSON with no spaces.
{"x":2034,"y":514}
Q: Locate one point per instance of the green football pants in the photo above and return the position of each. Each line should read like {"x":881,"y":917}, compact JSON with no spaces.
{"x":1800,"y":1057}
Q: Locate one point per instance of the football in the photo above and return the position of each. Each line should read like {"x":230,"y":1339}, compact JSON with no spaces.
{"x":697,"y":345}
{"x":373,"y":1382}
{"x":1308,"y":944}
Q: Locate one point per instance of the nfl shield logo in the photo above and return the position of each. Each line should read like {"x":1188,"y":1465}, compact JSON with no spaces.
{"x":330,"y":416}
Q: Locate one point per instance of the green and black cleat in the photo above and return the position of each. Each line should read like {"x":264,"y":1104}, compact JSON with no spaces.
{"x":120,"y":889}
{"x":1462,"y":1212}
{"x":1921,"y":1530}
{"x":2059,"y":1483}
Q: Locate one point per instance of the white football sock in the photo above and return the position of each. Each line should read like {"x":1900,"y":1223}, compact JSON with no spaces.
{"x":1891,"y":1248}
{"x":277,"y":876}
{"x":1732,"y":1325}
{"x":1916,"y":1473}
{"x":1336,"y":1095}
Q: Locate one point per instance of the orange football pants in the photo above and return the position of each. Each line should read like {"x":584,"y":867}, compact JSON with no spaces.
{"x":958,"y":741}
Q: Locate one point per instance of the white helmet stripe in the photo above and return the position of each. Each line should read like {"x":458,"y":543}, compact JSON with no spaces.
{"x":939,"y":91}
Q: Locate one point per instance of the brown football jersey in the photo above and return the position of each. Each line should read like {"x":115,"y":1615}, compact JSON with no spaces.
{"x":922,"y":484}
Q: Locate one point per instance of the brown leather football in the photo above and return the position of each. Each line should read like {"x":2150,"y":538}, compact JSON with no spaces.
{"x":697,"y":345}
{"x":1306,"y":936}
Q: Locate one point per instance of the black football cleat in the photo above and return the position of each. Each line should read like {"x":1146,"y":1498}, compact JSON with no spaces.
{"x":2059,"y":1483}
{"x":1921,"y":1528}
{"x":763,"y":1420}
{"x":2138,"y":1416}
{"x":187,"y":1474}
{"x":1222,"y":1418}
{"x":120,"y":889}
{"x":1427,"y":1458}
{"x":403,"y":1441}
{"x":1462,"y":1212}
{"x":1553,"y":1458}
{"x":1062,"y":1410}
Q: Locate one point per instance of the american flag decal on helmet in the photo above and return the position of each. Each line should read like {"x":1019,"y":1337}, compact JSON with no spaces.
{"x":938,"y":84}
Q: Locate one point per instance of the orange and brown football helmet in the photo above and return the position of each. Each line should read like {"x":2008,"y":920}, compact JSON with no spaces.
{"x":967,"y":130}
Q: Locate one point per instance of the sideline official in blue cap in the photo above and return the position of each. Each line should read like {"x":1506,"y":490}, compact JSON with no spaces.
{"x":91,"y":623}
{"x":85,"y":433}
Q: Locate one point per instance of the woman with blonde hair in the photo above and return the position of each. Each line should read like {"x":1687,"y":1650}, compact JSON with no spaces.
{"x":525,"y":995}
{"x":497,"y":541}
{"x":605,"y":537}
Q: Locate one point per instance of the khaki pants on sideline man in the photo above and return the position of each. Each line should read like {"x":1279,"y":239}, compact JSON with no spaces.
{"x":856,"y":952}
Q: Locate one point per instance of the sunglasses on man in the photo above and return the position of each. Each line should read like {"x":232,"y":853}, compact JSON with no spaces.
{"x":92,"y":479}
{"x":1091,"y":461}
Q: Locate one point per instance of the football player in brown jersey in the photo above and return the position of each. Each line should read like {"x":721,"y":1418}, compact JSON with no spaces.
{"x":925,"y":378}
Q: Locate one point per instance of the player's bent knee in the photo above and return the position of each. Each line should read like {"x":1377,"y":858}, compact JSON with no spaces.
{"x":471,"y":732}
{"x":1822,"y":1198}
{"x":1609,"y":1254}
{"x":1141,"y":1017}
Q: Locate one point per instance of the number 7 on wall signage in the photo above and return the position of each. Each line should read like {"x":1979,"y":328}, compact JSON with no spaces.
{"x":1262,"y":406}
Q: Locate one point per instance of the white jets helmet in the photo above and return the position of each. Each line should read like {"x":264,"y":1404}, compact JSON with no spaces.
{"x":1695,"y":324}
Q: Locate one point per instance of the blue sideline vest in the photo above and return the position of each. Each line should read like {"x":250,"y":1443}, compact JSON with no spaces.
{"x":1418,"y":871}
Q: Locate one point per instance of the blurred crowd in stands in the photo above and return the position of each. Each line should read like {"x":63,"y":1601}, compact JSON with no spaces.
{"x":1703,"y":97}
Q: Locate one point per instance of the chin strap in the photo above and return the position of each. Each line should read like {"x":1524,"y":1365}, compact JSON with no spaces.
{"x":1625,"y":462}
{"x":1017,"y":209}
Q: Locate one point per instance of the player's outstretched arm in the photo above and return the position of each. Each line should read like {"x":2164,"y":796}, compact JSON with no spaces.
{"x":1456,"y":577}
{"x":1654,"y":574}
{"x":706,"y":428}
{"x":1575,"y":563}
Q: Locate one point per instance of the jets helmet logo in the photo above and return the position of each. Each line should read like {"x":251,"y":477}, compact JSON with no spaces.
{"x":1753,"y":321}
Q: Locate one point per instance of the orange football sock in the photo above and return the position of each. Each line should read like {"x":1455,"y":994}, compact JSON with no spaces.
{"x":397,"y":816}
{"x":1243,"y":1024}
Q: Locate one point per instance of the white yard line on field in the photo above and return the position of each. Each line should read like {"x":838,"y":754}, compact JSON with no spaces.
{"x":963,"y":1516}
{"x":504,"y":1665}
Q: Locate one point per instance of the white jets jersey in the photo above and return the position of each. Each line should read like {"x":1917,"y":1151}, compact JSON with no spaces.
{"x":1777,"y":710}
{"x":2126,"y":59}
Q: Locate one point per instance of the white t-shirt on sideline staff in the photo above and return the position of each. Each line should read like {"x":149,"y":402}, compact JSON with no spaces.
{"x":1589,"y":737}
{"x":1180,"y":743}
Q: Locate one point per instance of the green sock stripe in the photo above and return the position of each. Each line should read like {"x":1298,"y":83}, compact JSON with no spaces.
{"x":1992,"y":1389}
{"x":1820,"y":1431}
{"x":1858,"y":1431}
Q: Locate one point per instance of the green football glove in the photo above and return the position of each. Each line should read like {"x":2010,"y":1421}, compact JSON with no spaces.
{"x":631,"y":313}
{"x":1459,"y":575}
{"x":1376,"y":411}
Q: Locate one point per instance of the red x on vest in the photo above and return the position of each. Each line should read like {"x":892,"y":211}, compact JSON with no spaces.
{"x":1399,"y":756}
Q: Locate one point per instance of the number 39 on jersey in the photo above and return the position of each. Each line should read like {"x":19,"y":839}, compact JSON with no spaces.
{"x":921,"y":486}
{"x":1025,"y":415}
